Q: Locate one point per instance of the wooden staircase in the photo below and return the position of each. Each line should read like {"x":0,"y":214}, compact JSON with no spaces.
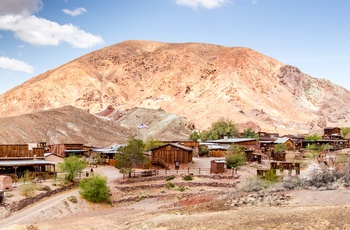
{"x":160,"y":162}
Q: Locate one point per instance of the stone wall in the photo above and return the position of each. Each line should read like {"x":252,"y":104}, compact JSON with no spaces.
{"x":18,"y":205}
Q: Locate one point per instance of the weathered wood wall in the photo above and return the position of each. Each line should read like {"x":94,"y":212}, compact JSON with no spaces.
{"x":170,"y":154}
{"x":20,"y":150}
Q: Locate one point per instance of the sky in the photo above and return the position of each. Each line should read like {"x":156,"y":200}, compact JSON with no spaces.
{"x":39,"y":35}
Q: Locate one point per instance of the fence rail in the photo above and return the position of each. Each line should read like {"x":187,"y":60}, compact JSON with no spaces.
{"x":193,"y":171}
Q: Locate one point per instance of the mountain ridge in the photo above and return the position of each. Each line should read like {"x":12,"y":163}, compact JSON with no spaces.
{"x":197,"y":81}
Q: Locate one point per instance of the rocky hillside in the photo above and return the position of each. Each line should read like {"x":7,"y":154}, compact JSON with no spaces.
{"x":63,"y":125}
{"x":200,"y":82}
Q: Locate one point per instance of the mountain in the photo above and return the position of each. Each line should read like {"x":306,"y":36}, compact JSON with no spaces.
{"x":198,"y":82}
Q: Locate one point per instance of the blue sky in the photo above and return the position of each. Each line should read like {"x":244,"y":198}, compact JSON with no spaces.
{"x":38,"y":35}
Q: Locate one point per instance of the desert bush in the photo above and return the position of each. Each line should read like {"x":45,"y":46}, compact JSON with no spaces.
{"x":294,"y":183}
{"x":322,"y":177}
{"x":43,"y":188}
{"x":170,"y":178}
{"x":254,"y":184}
{"x":271,"y":176}
{"x":9,"y":195}
{"x":187,"y":177}
{"x":181,"y":188}
{"x":94,"y":188}
{"x":141,"y":195}
{"x":342,"y":158}
{"x":27,"y":190}
{"x":169,"y":185}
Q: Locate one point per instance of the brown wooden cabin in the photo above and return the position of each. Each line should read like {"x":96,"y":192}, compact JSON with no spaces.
{"x":253,"y":157}
{"x":332,"y":133}
{"x":284,"y":140}
{"x":217,"y":166}
{"x":168,"y":154}
{"x":65,"y":150}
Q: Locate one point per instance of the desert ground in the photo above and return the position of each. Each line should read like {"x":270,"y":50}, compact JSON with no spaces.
{"x":197,"y":207}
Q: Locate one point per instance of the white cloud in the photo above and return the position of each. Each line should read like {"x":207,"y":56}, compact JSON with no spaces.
{"x":16,"y":65}
{"x":20,"y":7}
{"x":39,"y":31}
{"x":209,"y":4}
{"x":75,"y":12}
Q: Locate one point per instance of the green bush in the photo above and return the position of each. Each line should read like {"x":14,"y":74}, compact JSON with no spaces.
{"x":187,"y":177}
{"x":94,"y":188}
{"x":170,"y":177}
{"x":181,"y":188}
{"x":169,"y":185}
{"x":271,"y":176}
{"x":235,"y":160}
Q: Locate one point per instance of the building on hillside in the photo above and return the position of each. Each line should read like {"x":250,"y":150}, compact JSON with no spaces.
{"x":332,"y":133}
{"x":172,"y":155}
{"x":286,"y":141}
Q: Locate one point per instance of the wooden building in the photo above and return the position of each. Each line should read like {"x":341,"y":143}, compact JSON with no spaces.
{"x":171,"y":153}
{"x":20,"y":150}
{"x":246,"y":143}
{"x":65,"y":150}
{"x":332,"y":133}
{"x":286,"y":141}
{"x":217,"y":166}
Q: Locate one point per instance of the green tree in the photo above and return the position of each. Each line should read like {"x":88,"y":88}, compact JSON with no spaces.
{"x":130,"y":155}
{"x":279,"y":148}
{"x":313,"y":137}
{"x":194,"y":136}
{"x":94,"y":188}
{"x":235,"y":156}
{"x":250,"y":133}
{"x":152,"y":143}
{"x":345,"y":131}
{"x":219,"y":129}
{"x":72,"y":165}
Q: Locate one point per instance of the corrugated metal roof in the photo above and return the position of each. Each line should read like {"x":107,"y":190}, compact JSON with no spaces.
{"x":232,"y":140}
{"x":281,"y":140}
{"x":26,"y":162}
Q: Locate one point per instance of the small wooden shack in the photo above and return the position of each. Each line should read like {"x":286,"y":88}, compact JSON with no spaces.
{"x":5,"y":183}
{"x":217,"y":166}
{"x":171,"y":153}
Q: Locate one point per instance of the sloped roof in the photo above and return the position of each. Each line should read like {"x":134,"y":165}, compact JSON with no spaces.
{"x":175,"y":145}
{"x":232,"y":140}
{"x":281,"y":140}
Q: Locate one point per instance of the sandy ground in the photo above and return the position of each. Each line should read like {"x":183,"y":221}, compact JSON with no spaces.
{"x":307,"y":209}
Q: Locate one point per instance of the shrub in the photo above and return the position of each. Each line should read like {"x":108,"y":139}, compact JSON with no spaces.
{"x":169,"y":185}
{"x":27,"y":190}
{"x":254,"y":184}
{"x":271,"y":176}
{"x":94,"y":188}
{"x":187,"y":177}
{"x":235,"y":160}
{"x":170,"y":178}
{"x":181,"y":189}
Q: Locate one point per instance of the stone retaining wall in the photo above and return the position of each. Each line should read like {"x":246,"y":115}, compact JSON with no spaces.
{"x":179,"y":184}
{"x":158,"y":178}
{"x":18,"y":205}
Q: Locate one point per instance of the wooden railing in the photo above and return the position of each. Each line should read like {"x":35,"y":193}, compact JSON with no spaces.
{"x":160,"y":162}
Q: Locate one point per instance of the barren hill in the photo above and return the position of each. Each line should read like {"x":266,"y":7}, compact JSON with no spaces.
{"x":200,"y":82}
{"x":63,"y":125}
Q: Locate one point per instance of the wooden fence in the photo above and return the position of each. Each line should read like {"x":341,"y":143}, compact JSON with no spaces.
{"x":188,"y":171}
